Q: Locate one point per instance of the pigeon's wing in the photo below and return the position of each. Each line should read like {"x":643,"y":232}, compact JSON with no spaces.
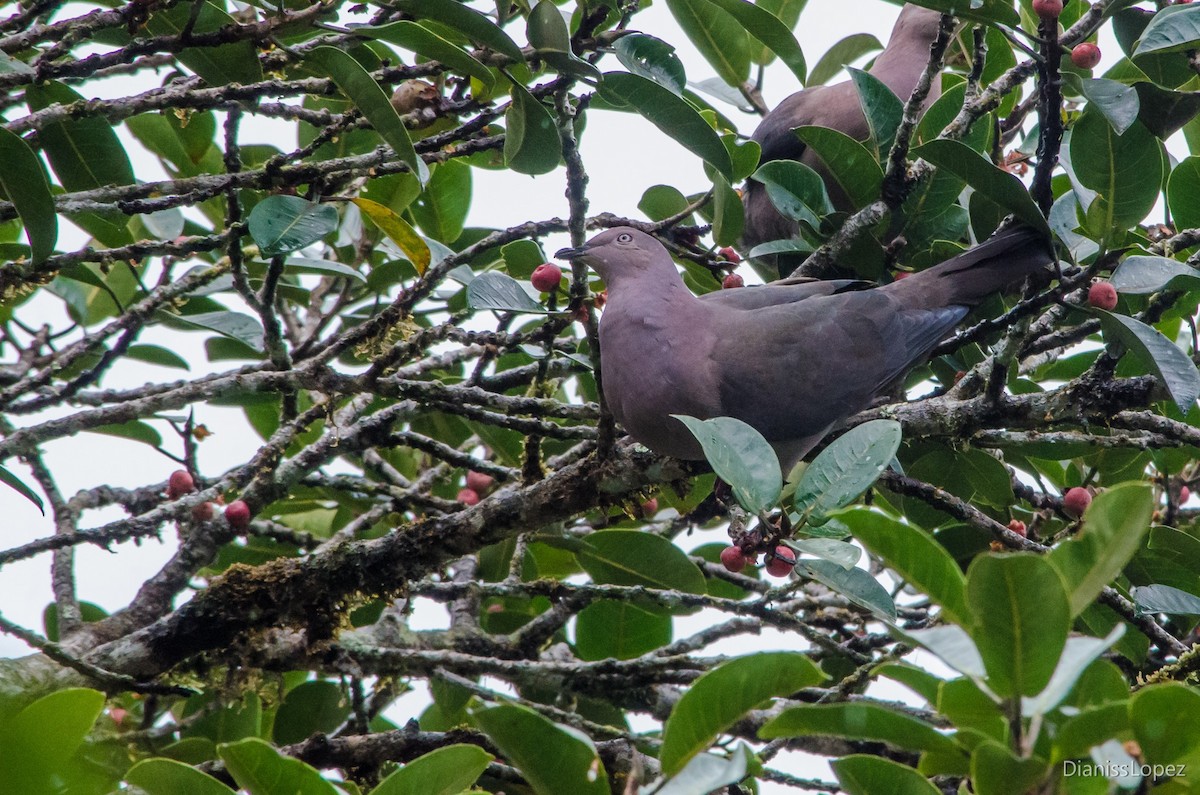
{"x":779,"y":293}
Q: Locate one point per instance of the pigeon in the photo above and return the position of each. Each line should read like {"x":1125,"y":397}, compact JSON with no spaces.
{"x":791,"y":358}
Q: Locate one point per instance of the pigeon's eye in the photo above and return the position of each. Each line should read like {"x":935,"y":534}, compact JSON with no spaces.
{"x":624,"y":237}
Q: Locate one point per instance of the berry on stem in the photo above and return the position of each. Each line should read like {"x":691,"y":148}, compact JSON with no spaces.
{"x":1085,"y":55}
{"x":729,"y":255}
{"x":650,"y":507}
{"x":733,"y":559}
{"x":1076,"y":501}
{"x":782,"y":561}
{"x":478,"y":482}
{"x":237,"y":513}
{"x":1102,"y":295}
{"x":1018,"y":527}
{"x":179,"y":484}
{"x":1048,"y":9}
{"x":468,"y":497}
{"x":203,"y":512}
{"x":733,"y":281}
{"x":546,"y":277}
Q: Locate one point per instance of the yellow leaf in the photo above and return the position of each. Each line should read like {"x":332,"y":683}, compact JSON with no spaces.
{"x":400,"y":232}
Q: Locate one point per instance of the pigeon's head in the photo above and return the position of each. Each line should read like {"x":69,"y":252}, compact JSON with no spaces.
{"x":621,"y":252}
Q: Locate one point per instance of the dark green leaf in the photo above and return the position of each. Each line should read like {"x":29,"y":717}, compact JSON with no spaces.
{"x":16,"y":484}
{"x":652,"y":58}
{"x":1165,"y":599}
{"x":1165,"y":725}
{"x":718,"y":699}
{"x":1125,"y":170}
{"x":768,"y":30}
{"x":728,"y":214}
{"x":720,"y":38}
{"x":444,"y":771}
{"x":552,"y":758}
{"x":24,"y":182}
{"x":796,"y":190}
{"x":234,"y":325}
{"x":280,"y":224}
{"x":856,"y":585}
{"x":1142,"y":275}
{"x":548,"y":35}
{"x":1157,"y":353}
{"x":501,"y":292}
{"x":1183,"y":196}
{"x":995,"y":770}
{"x":423,"y":41}
{"x":608,"y":629}
{"x":915,"y":556}
{"x":669,"y":113}
{"x":845,"y":52}
{"x":741,"y":457}
{"x":235,"y":62}
{"x":883,"y":109}
{"x":662,"y":201}
{"x":1115,"y":523}
{"x":531,"y":142}
{"x":259,"y":768}
{"x":1173,"y":29}
{"x":845,"y":469}
{"x":467,"y":21}
{"x":317,"y":706}
{"x":442,"y":208}
{"x":1117,"y":102}
{"x":371,"y":100}
{"x":850,"y":163}
{"x":994,"y":183}
{"x":168,"y":777}
{"x":1021,"y":618}
{"x":631,"y":557}
{"x":134,"y":430}
{"x":873,"y":775}
{"x":1165,"y":112}
{"x":869,"y":722}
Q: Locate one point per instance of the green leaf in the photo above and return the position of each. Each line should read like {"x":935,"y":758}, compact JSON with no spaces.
{"x":669,"y":113}
{"x":952,"y":645}
{"x":1118,"y":102}
{"x":652,"y":58}
{"x":1089,"y":728}
{"x":371,"y":100}
{"x":1165,"y":112}
{"x":846,"y":51}
{"x":42,"y":737}
{"x":553,"y":759}
{"x":1172,"y":29}
{"x":444,"y":771}
{"x":1165,"y":725}
{"x":662,"y":201}
{"x":260,"y":769}
{"x":1125,"y":170}
{"x":279,"y":224}
{"x":423,"y":41}
{"x":845,"y":469}
{"x":996,"y":184}
{"x":1165,"y":599}
{"x":728,"y":213}
{"x":796,"y":190}
{"x":323,"y":267}
{"x":709,"y":773}
{"x":1155,"y":352}
{"x":1183,"y":196}
{"x":134,"y":430}
{"x":235,"y":62}
{"x":467,"y":21}
{"x":850,"y":163}
{"x":1078,"y":654}
{"x":718,"y":699}
{"x":860,"y":722}
{"x":234,"y":325}
{"x":915,"y":556}
{"x":631,"y":557}
{"x":502,"y":293}
{"x":442,"y":208}
{"x":971,"y":474}
{"x":548,"y":35}
{"x":1142,"y":275}
{"x":741,"y":457}
{"x":24,"y":182}
{"x":719,"y":37}
{"x":860,"y":774}
{"x":531,"y":142}
{"x":318,"y":706}
{"x":768,"y":30}
{"x":855,"y":584}
{"x":399,"y":232}
{"x":17,"y":485}
{"x":167,"y":777}
{"x":995,"y":770}
{"x":1114,"y":525}
{"x":1021,"y":617}
{"x":842,"y":553}
{"x":883,"y":109}
{"x":608,"y":629}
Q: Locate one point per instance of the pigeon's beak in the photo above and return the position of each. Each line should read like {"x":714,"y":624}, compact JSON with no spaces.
{"x":570,"y":253}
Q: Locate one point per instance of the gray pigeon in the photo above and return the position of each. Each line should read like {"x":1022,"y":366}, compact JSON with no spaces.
{"x":899,"y":66}
{"x":790,"y":359}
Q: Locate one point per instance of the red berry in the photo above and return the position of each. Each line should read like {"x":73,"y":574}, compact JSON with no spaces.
{"x":782,"y":562}
{"x":1085,"y":55}
{"x":898,"y":275}
{"x":729,"y":255}
{"x":1048,"y":9}
{"x":1076,"y":501}
{"x":1102,"y":295}
{"x":1184,"y":492}
{"x":118,"y":714}
{"x":468,"y":497}
{"x":1018,"y":527}
{"x":733,"y":559}
{"x":479,"y":482}
{"x":179,"y":484}
{"x":237,"y":513}
{"x":650,"y":507}
{"x":203,"y":512}
{"x":733,"y":281}
{"x":546,"y":277}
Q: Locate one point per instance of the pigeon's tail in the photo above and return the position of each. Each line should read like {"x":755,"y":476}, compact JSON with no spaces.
{"x":997,"y":264}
